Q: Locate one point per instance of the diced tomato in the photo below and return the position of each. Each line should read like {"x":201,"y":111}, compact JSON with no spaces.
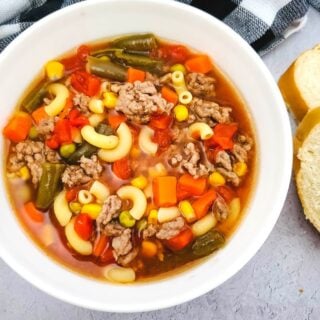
{"x":212,"y":153}
{"x":83,"y":52}
{"x":77,"y":119}
{"x":73,"y":64}
{"x":107,"y":256}
{"x":226,"y":193}
{"x":71,"y":194}
{"x":115,"y":119}
{"x":163,"y":138}
{"x":100,"y":244}
{"x":83,"y":226}
{"x":53,"y":142}
{"x":172,"y":53}
{"x":62,"y":130}
{"x":223,"y":136}
{"x":161,"y":121}
{"x":121,"y":168}
{"x":182,"y":194}
{"x":85,"y":82}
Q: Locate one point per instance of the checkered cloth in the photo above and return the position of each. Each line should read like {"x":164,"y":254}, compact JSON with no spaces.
{"x":262,"y":23}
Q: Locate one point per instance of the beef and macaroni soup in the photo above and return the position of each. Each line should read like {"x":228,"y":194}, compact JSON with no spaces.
{"x":130,"y":158}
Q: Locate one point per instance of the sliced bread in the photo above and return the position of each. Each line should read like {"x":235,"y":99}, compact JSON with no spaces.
{"x":307,"y":165}
{"x":300,"y":84}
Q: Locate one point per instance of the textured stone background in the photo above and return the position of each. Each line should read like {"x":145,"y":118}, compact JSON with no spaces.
{"x":280,"y":282}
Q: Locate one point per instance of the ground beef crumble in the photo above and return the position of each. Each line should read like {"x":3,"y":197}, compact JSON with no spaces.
{"x":81,"y":102}
{"x":200,"y":85}
{"x":170,"y":229}
{"x":110,"y":210}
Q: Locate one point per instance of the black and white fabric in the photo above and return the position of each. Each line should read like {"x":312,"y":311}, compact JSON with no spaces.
{"x":262,"y":23}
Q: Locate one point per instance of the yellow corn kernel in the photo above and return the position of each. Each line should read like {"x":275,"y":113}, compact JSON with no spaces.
{"x":216,"y":179}
{"x":96,"y":105}
{"x":181,"y":112}
{"x":105,"y":58}
{"x":178,"y":67}
{"x":110,"y":100}
{"x":139,"y":182}
{"x":148,"y":249}
{"x":153,"y":217}
{"x":54,"y":70}
{"x":135,"y":152}
{"x":240,"y":169}
{"x":187,"y":211}
{"x":92,"y":209}
{"x":24,"y":173}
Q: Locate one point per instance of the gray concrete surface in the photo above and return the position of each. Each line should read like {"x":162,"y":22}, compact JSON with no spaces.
{"x":280,"y":282}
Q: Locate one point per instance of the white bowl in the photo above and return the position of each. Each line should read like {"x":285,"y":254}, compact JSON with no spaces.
{"x":91,"y":20}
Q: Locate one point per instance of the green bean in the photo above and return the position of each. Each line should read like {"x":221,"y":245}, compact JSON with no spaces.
{"x":139,"y":61}
{"x":207,"y":243}
{"x":35,"y":98}
{"x":86,"y":149}
{"x":138,"y":42}
{"x":49,"y":184}
{"x":106,"y":69}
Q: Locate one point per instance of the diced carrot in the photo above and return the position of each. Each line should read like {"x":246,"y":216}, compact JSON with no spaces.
{"x":203,"y":203}
{"x":71,"y":194}
{"x":200,"y":64}
{"x":39,"y":114}
{"x":160,"y":121}
{"x":76,"y":135}
{"x":115,"y":119}
{"x":226,"y":193}
{"x":181,"y":240}
{"x":169,"y":95}
{"x":33,"y":213}
{"x":121,"y":168}
{"x":195,"y":187}
{"x":136,"y":75}
{"x":165,"y":191}
{"x":182,"y":194}
{"x":223,"y":136}
{"x":18,"y":127}
{"x":67,"y":108}
{"x":100,"y":244}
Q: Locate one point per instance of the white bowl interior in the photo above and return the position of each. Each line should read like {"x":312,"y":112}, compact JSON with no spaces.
{"x":90,"y":21}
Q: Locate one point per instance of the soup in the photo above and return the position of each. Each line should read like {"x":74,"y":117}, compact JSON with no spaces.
{"x":130,"y":158}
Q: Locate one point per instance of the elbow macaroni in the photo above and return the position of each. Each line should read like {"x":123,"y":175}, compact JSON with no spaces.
{"x":119,"y":274}
{"x":95,"y":119}
{"x":202,"y":129}
{"x":203,"y":225}
{"x":81,"y":246}
{"x":100,"y":191}
{"x":145,"y":141}
{"x":61,"y":209}
{"x":61,"y":94}
{"x":185,"y":97}
{"x":85,"y":197}
{"x":138,"y":199}
{"x":99,"y":140}
{"x":122,"y":149}
{"x":168,"y":214}
{"x":179,"y":84}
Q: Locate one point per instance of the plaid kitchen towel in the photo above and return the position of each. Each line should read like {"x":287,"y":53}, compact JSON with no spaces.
{"x":262,"y":23}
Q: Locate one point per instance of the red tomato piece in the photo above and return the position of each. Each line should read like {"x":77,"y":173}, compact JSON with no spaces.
{"x":53,"y":142}
{"x":83,"y":226}
{"x":226,"y":193}
{"x":62,"y":130}
{"x":181,"y":240}
{"x":161,"y":121}
{"x":71,"y":194}
{"x":83,"y":52}
{"x":85,"y":82}
{"x":121,"y":168}
{"x":163,"y":138}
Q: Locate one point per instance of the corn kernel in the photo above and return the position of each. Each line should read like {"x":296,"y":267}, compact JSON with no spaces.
{"x":153,"y":217}
{"x":187,"y":211}
{"x":216,"y":179}
{"x":24,"y":173}
{"x":240,"y":169}
{"x":96,"y":105}
{"x":92,"y":209}
{"x":148,"y":249}
{"x":181,"y":112}
{"x":139,"y":182}
{"x":110,"y":100}
{"x":54,"y":70}
{"x":178,"y":67}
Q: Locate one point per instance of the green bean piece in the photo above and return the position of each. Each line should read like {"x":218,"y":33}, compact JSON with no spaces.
{"x":141,"y":225}
{"x":126,"y":219}
{"x":33,"y":133}
{"x":109,"y":52}
{"x":138,"y":42}
{"x":139,"y":61}
{"x":35,"y":98}
{"x":86,"y":149}
{"x":106,"y":69}
{"x":207,"y":243}
{"x":49,"y":184}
